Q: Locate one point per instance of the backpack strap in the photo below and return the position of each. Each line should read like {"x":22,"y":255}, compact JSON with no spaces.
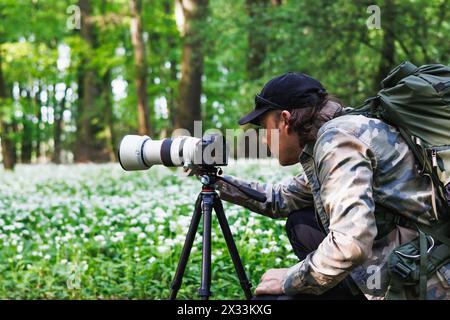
{"x":409,"y":270}
{"x":396,"y":290}
{"x":440,"y":232}
{"x":423,"y":247}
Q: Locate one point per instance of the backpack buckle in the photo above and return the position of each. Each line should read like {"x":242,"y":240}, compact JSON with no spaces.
{"x":402,"y":270}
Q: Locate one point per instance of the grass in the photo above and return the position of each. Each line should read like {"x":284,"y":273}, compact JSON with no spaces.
{"x":97,"y":232}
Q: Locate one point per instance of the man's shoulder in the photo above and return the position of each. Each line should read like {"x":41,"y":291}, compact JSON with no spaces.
{"x":383,"y":140}
{"x":351,"y":123}
{"x":361,"y":127}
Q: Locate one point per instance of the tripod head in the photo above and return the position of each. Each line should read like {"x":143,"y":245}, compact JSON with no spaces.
{"x":209,"y":175}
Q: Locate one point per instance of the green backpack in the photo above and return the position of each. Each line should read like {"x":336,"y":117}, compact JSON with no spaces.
{"x":416,"y":100}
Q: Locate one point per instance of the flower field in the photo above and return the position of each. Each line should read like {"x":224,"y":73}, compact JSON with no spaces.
{"x":98,"y":232}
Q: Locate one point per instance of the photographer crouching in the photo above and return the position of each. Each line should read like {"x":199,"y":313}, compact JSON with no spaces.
{"x":358,"y":174}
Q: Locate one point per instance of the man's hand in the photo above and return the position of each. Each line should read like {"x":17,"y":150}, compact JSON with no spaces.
{"x":271,"y":282}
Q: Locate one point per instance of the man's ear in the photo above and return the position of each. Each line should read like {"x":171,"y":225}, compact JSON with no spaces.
{"x":284,"y":117}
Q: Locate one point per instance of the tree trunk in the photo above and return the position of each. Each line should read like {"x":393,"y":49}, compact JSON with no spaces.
{"x":109,"y":115}
{"x":171,"y":97}
{"x":140,"y":67}
{"x":27,"y":132}
{"x":189,"y":97}
{"x":8,"y":148}
{"x":6,"y":129}
{"x":257,"y":48}
{"x":387,"y":59}
{"x":37,"y":126}
{"x":88,"y":89}
{"x":58,"y":128}
{"x":257,"y":38}
{"x":89,"y":122}
{"x":107,"y":103}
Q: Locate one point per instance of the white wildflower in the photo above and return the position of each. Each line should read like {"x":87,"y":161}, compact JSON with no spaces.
{"x":142,"y":235}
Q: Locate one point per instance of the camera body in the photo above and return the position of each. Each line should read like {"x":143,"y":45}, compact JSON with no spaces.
{"x":141,"y":152}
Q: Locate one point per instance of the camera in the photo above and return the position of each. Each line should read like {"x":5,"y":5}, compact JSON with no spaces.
{"x":141,"y":152}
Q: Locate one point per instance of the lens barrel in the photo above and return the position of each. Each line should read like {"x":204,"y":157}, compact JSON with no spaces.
{"x":141,"y":152}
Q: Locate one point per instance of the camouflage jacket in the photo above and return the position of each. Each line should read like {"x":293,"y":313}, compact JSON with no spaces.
{"x":359,"y":175}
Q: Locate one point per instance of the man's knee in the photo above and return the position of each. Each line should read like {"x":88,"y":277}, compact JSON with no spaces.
{"x":302,"y":216}
{"x":303,"y":232}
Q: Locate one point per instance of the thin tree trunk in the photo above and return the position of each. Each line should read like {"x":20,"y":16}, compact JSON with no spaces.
{"x":140,"y":67}
{"x":109,"y":115}
{"x":58,"y":128}
{"x":27,"y":132}
{"x":189,"y":96}
{"x":8,"y":150}
{"x":6,"y":129}
{"x":37,"y":127}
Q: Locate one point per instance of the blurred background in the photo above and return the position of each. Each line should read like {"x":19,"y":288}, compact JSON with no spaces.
{"x":77,"y":75}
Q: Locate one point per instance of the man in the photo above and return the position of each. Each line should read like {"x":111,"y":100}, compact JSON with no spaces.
{"x":356,"y":201}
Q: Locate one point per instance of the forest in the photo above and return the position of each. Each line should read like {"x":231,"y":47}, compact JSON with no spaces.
{"x":76,"y":76}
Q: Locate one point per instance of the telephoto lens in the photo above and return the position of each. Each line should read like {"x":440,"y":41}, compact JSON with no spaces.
{"x":141,"y":152}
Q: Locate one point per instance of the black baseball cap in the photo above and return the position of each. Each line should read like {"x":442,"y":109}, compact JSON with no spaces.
{"x":288,"y":91}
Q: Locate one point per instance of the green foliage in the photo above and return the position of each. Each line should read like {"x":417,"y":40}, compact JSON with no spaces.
{"x":326,"y":39}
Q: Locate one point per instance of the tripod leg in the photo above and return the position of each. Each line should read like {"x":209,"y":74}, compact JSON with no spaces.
{"x":245,"y":284}
{"x":178,"y":278}
{"x":207,"y":207}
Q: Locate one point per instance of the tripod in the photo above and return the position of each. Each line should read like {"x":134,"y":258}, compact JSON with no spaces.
{"x":207,"y":201}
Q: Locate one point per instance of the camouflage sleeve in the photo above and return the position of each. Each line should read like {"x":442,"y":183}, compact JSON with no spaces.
{"x":345,"y":167}
{"x":281,"y":198}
